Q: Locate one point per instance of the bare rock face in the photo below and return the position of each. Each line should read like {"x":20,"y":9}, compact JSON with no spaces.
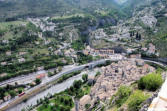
{"x":116,"y":74}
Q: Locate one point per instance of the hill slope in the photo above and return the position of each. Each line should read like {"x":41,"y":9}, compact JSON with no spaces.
{"x":22,"y":8}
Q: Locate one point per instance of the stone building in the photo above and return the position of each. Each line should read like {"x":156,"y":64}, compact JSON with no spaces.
{"x":113,"y":76}
{"x":104,"y":53}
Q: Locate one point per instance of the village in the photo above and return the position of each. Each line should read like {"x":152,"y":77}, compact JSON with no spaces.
{"x":103,"y":53}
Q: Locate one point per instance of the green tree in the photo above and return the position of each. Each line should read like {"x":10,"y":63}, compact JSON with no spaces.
{"x":97,"y":74}
{"x":77,"y":84}
{"x":12,"y":93}
{"x":2,"y":90}
{"x":87,"y":106}
{"x":135,"y":100}
{"x":77,"y":45}
{"x":8,"y":87}
{"x":50,"y":74}
{"x":85,"y":77}
{"x":122,"y":95}
{"x":150,"y":82}
{"x":2,"y":32}
{"x":55,"y":71}
{"x":37,"y":81}
{"x":20,"y":90}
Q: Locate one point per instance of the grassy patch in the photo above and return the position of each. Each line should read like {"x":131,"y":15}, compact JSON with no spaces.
{"x":7,"y":25}
{"x":128,"y":97}
{"x":63,"y":100}
{"x":122,"y":95}
{"x":60,"y":102}
{"x":136,"y":99}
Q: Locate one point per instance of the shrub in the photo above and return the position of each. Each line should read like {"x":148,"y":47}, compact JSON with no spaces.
{"x":50,"y":74}
{"x":87,"y":106}
{"x":85,"y":77}
{"x":122,"y":95}
{"x":135,"y":100}
{"x":97,"y":74}
{"x":150,"y":82}
{"x":12,"y":93}
{"x":77,"y":84}
{"x":77,"y":45}
{"x":37,"y":81}
{"x":65,"y":77}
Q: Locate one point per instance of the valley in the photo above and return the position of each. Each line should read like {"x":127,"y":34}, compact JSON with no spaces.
{"x":75,"y":55}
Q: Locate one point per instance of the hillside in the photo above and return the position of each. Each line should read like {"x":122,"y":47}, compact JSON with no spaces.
{"x":13,"y":9}
{"x":120,"y":46}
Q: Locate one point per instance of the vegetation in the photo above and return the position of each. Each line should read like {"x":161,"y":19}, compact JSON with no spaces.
{"x":85,"y":77}
{"x":83,"y":59}
{"x":159,"y":38}
{"x":122,"y":95}
{"x":87,"y":106}
{"x":150,"y":82}
{"x":79,"y":88}
{"x":19,"y":36}
{"x":11,"y":90}
{"x":27,"y":67}
{"x":78,"y":45}
{"x":131,"y":97}
{"x":50,"y":74}
{"x":65,"y":77}
{"x":37,"y":81}
{"x":135,"y":100}
{"x":128,"y":97}
{"x":60,"y":102}
{"x":63,"y":100}
{"x":97,"y":74}
{"x":22,"y":37}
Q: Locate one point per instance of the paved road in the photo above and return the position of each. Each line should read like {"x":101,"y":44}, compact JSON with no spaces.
{"x":29,"y":92}
{"x":57,"y":88}
{"x":19,"y":78}
{"x":158,"y":63}
{"x":30,"y":77}
{"x":42,"y":86}
{"x":33,"y":75}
